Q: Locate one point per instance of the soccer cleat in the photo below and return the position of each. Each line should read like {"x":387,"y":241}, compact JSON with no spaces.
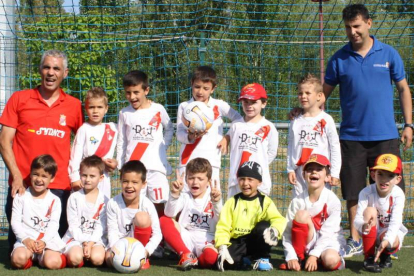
{"x":146,"y":265}
{"x":371,"y":266}
{"x":262,"y":265}
{"x":353,"y":248}
{"x":187,"y":261}
{"x":246,"y":264}
{"x":394,"y":256}
{"x":385,"y":260}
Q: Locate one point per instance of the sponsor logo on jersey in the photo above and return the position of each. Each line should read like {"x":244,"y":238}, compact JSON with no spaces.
{"x":47,"y":131}
{"x":199,"y":221}
{"x":93,"y":140}
{"x":87,"y":226}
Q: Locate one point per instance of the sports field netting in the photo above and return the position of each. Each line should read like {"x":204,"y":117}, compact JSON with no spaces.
{"x":272,"y":42}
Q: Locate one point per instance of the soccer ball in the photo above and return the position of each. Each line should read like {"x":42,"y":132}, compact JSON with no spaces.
{"x":197,"y":117}
{"x":128,"y":255}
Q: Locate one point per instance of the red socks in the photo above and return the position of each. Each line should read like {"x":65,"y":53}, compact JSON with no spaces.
{"x":172,"y":236}
{"x":28,"y":264}
{"x":368,"y":241}
{"x":300,"y":233}
{"x":63,"y":258}
{"x":208,"y":258}
{"x":143,"y":234}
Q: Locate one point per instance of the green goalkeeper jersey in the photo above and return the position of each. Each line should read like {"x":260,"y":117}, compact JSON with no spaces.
{"x":240,"y":215}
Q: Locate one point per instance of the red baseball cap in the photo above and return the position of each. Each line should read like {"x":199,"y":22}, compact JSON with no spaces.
{"x":388,"y":162}
{"x":318,"y":158}
{"x":253,"y":91}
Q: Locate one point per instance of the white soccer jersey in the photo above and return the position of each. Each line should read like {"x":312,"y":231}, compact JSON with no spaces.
{"x":253,"y":142}
{"x":206,"y":146}
{"x":90,"y":140}
{"x":197,"y":215}
{"x":145,"y":134}
{"x":389,"y":211}
{"x":311,"y":135}
{"x":326,"y":218}
{"x":37,"y":218}
{"x":87,"y":221}
{"x":120,"y":221}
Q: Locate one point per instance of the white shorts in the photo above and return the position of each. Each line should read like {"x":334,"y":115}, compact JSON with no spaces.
{"x":76,"y":243}
{"x":56,"y":244}
{"x":400,"y":236}
{"x":336,"y":244}
{"x":158,"y":189}
{"x":214,"y":177}
{"x":196,"y":241}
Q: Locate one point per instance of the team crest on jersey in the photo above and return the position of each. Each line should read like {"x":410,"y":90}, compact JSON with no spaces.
{"x":209,"y":209}
{"x":93,"y":140}
{"x":320,"y":126}
{"x":108,"y":134}
{"x":62,"y":120}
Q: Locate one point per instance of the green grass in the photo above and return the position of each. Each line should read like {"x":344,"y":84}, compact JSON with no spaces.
{"x":403,"y":266}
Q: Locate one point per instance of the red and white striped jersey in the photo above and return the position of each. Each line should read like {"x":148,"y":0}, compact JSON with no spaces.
{"x":326,"y":217}
{"x":36,"y":218}
{"x":206,"y":146}
{"x":87,"y":220}
{"x":389,"y":211}
{"x":120,"y":221}
{"x":253,"y":142}
{"x":145,"y":134}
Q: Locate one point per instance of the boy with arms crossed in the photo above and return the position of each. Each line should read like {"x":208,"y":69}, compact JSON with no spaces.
{"x":313,"y":131}
{"x":145,"y":132}
{"x":193,"y":236}
{"x":35,"y":220}
{"x":380,"y":213}
{"x":249,"y":224}
{"x":314,"y":221}
{"x":253,"y":138}
{"x":204,"y":145}
{"x":94,"y":138}
{"x":86,"y":236}
{"x":130,"y":214}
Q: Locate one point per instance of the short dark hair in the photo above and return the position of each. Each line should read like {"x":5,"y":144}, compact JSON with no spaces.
{"x":136,"y":77}
{"x":96,"y":93}
{"x":205,"y":74}
{"x":352,"y":11}
{"x":199,"y":165}
{"x":93,"y":161}
{"x":135,"y":166}
{"x":45,"y":162}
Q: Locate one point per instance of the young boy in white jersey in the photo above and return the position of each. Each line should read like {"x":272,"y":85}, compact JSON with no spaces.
{"x":145,"y":132}
{"x":313,"y":131}
{"x":86,"y":237}
{"x":249,"y":224}
{"x":204,"y":145}
{"x":94,"y":138}
{"x":314,"y":223}
{"x":130,"y":214}
{"x":192,"y":237}
{"x":380,"y":213}
{"x":252,"y":138}
{"x":35,"y":220}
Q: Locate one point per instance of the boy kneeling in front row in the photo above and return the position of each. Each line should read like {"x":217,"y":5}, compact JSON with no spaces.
{"x":314,"y":220}
{"x":379,"y":213}
{"x":249,"y":224}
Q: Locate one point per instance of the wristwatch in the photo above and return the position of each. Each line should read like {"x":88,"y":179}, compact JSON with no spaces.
{"x":409,"y":125}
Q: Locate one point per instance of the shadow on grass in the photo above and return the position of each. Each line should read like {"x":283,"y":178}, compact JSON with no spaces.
{"x":4,"y":257}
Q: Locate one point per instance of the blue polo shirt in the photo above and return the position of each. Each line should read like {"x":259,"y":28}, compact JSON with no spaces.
{"x":366,"y":91}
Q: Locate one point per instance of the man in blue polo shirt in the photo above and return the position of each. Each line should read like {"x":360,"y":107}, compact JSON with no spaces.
{"x":364,"y":70}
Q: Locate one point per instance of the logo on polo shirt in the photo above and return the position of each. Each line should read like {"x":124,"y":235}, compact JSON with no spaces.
{"x":385,"y":65}
{"x":62,"y":120}
{"x":48,"y":132}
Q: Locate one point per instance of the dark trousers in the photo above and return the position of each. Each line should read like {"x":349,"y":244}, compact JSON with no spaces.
{"x":63,"y":195}
{"x":252,"y":245}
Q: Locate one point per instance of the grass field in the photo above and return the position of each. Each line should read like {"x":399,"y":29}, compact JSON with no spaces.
{"x":403,"y":266}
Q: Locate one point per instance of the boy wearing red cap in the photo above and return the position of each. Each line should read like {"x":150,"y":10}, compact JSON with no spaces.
{"x":314,"y":223}
{"x":380,"y":213}
{"x":313,"y":131}
{"x":253,"y":138}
